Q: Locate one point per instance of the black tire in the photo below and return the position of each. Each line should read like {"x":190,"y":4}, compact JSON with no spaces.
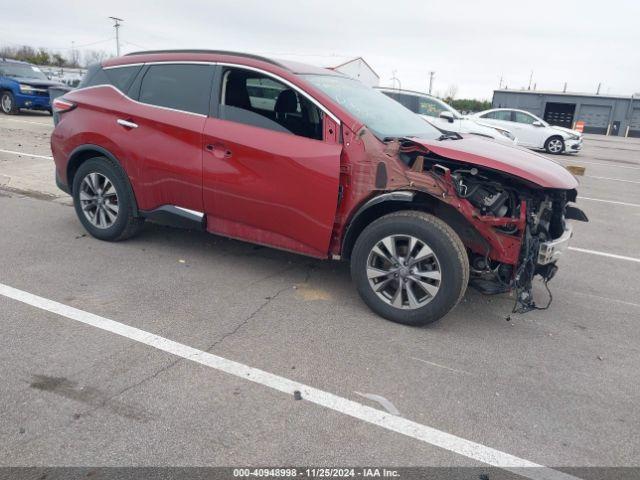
{"x":446,"y":245}
{"x":554,"y":145}
{"x":126,"y":224}
{"x":8,"y":103}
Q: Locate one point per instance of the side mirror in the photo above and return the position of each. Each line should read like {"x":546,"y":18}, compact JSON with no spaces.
{"x":537,"y":123}
{"x":447,"y":116}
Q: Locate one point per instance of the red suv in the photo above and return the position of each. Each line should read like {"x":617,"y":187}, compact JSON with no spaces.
{"x":307,"y":160}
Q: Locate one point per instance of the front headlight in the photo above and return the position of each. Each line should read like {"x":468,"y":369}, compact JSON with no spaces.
{"x":26,"y":88}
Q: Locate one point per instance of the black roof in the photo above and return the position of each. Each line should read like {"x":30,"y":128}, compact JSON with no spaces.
{"x":216,"y":52}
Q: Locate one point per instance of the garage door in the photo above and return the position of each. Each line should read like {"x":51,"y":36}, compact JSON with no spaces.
{"x":595,"y":118}
{"x":560,"y":114}
{"x":634,"y":126}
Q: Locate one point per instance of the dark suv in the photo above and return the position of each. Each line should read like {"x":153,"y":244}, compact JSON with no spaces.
{"x":308,"y":160}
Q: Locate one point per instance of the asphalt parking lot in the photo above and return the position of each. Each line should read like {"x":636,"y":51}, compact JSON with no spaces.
{"x":558,"y":387}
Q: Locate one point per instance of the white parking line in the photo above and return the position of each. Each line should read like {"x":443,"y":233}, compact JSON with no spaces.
{"x":328,"y":400}
{"x":605,"y":254}
{"x":610,"y":201}
{"x":612,"y":179}
{"x":50,"y":124}
{"x":23,"y":154}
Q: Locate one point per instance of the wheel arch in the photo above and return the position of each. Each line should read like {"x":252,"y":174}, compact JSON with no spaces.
{"x":390,"y":202}
{"x":85,"y":152}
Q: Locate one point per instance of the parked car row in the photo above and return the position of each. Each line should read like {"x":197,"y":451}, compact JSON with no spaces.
{"x":504,"y":125}
{"x":308,"y":160}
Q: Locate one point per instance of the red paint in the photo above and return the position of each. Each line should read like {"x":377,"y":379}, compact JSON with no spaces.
{"x":516,"y":161}
{"x":270,"y":187}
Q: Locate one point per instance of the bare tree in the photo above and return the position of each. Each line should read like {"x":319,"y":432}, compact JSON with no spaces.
{"x":451,"y":92}
{"x":91,"y":57}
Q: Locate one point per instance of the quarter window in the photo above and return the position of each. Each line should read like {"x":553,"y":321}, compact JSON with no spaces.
{"x":255,"y":99}
{"x":181,"y":87}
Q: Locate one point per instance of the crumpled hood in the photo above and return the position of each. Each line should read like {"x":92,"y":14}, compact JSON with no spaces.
{"x":512,"y":160}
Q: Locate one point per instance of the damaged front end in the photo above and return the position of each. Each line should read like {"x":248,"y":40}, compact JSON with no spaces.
{"x":523,"y":225}
{"x":509,"y":206}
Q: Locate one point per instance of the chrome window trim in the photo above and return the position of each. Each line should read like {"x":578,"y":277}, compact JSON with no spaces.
{"x":136,"y":101}
{"x":288,"y":84}
{"x":224,"y":64}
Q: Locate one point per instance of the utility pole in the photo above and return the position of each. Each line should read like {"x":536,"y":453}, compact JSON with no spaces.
{"x":564,"y":90}
{"x":395,"y":79}
{"x":598,"y":91}
{"x":530,"y":80}
{"x":500,"y":84}
{"x":116,"y":25}
{"x":431,"y":74}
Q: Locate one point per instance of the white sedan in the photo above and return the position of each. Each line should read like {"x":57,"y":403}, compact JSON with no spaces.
{"x":532,"y":131}
{"x":445,"y":117}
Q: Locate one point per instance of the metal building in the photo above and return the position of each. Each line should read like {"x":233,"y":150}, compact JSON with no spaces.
{"x":602,"y":114}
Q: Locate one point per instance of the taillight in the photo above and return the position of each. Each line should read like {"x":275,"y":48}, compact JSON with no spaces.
{"x":61,"y":105}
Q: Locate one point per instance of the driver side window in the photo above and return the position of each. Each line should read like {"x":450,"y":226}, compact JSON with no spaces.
{"x":259,"y":100}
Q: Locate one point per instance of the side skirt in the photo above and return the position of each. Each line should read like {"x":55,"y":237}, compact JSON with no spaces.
{"x":176,"y":217}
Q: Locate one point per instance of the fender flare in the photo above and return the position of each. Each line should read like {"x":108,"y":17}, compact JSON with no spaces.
{"x":88,"y":147}
{"x":395,"y":196}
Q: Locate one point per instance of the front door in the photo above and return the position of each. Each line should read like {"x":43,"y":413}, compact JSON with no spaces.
{"x":270,"y":167}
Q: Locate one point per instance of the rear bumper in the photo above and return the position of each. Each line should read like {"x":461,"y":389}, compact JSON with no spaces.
{"x":36,"y":102}
{"x":61,"y":185}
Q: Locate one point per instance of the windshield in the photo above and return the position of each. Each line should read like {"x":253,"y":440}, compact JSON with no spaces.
{"x":19,"y":70}
{"x":385,"y":117}
{"x":433,"y":107}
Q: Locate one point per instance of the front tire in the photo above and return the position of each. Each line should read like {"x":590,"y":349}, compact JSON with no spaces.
{"x":410,"y":267}
{"x":554,"y":145}
{"x":103,"y":200}
{"x":8,"y":103}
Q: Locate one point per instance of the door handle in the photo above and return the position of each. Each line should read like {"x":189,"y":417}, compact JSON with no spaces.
{"x":126,"y":123}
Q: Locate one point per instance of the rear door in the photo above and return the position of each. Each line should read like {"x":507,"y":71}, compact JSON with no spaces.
{"x":271,"y":164}
{"x":162,"y":132}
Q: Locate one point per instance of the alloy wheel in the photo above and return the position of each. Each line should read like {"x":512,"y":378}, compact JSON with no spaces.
{"x":99,"y":200}
{"x":403,"y":271}
{"x":555,"y":145}
{"x":6,"y":103}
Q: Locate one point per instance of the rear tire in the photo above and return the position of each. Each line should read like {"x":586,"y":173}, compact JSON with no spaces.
{"x":104,"y":201}
{"x":423,"y":284}
{"x":554,"y":145}
{"x":8,"y":103}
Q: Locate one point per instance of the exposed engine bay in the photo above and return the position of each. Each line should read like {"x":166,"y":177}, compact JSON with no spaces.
{"x":509,"y":211}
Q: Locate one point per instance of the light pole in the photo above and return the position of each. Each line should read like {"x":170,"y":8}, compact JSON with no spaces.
{"x":431,"y":74}
{"x":116,"y":25}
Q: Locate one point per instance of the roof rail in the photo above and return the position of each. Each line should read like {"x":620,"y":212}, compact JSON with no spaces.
{"x":217,"y":52}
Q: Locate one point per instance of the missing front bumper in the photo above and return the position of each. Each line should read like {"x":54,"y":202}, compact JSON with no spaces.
{"x":551,"y":251}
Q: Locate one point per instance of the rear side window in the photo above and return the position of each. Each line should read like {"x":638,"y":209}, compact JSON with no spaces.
{"x":499,"y":115}
{"x":120,"y":77}
{"x":181,"y":87}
